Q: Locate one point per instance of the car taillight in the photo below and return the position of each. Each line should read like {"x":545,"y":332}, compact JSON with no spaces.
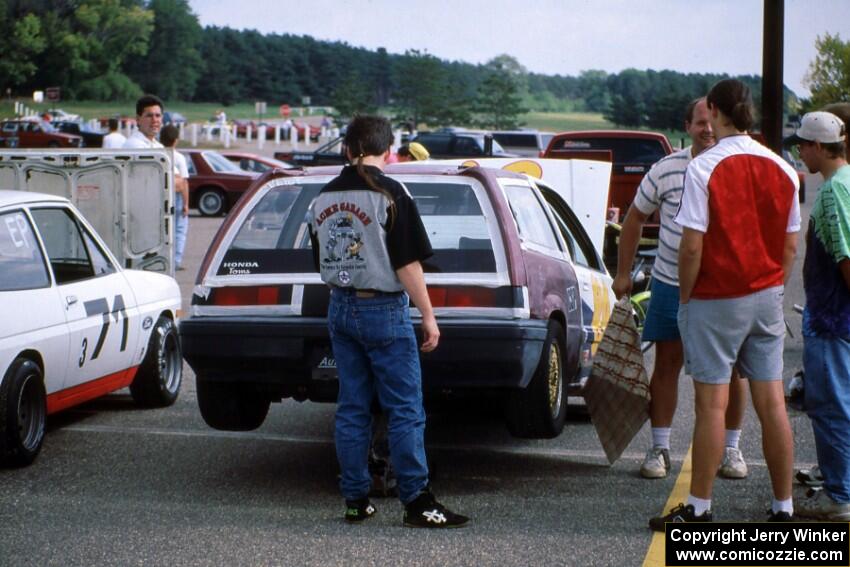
{"x":474,"y":296}
{"x":248,"y":295}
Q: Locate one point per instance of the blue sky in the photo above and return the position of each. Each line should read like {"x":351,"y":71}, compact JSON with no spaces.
{"x":555,"y":36}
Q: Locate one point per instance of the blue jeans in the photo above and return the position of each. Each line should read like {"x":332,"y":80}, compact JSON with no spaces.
{"x":827,"y":401}
{"x":376,"y":353}
{"x":181,"y":227}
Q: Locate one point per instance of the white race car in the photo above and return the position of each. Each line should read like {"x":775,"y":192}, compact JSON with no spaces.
{"x":74,"y":324}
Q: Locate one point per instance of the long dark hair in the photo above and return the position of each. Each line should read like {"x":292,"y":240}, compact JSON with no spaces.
{"x":370,"y":136}
{"x":735,"y":101}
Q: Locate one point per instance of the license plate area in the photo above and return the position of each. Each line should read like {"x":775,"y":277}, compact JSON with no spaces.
{"x":324,"y":366}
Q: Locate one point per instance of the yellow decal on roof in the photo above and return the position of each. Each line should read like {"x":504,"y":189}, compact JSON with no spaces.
{"x":527,"y":167}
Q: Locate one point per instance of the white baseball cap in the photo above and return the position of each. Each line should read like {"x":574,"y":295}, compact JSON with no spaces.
{"x":820,"y":126}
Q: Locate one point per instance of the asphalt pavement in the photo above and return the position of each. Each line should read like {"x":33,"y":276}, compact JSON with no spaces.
{"x":118,"y":485}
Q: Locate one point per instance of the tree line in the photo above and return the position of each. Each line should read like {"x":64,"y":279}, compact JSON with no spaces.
{"x":117,"y":49}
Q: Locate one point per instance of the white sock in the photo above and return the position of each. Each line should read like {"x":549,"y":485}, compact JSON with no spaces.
{"x":783,"y":506}
{"x":661,"y":437}
{"x":700,"y":505}
{"x":732,"y":437}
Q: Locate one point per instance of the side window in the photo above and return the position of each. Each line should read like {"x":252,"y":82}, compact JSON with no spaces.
{"x":579,"y":243}
{"x":467,"y":146}
{"x":66,"y":249}
{"x":99,"y":260}
{"x":21,"y":262}
{"x":436,"y":144}
{"x":531,"y":219}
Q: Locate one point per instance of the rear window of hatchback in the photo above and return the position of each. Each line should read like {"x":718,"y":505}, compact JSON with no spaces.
{"x":273,"y":237}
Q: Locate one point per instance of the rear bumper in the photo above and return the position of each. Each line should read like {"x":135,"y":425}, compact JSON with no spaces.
{"x":293,"y":357}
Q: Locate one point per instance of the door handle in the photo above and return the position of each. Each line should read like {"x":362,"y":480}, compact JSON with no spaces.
{"x":71,"y":299}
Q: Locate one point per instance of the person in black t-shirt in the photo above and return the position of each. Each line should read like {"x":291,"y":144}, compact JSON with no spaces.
{"x":368,"y":242}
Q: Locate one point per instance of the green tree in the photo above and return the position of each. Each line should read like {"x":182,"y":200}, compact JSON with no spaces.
{"x":21,"y":39}
{"x":173,"y":64}
{"x":422,"y":95}
{"x":498,"y":104}
{"x":829,"y":74}
{"x":89,"y":43}
{"x":352,"y":96}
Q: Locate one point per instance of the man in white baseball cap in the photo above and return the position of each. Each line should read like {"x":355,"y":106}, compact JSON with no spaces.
{"x":826,"y":319}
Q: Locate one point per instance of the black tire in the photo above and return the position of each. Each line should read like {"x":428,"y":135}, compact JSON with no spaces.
{"x":211,"y":202}
{"x":23,"y":410}
{"x":231,"y":406}
{"x":157,"y":383}
{"x":539,"y":410}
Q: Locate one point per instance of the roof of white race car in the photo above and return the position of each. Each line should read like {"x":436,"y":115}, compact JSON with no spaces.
{"x":10,"y":198}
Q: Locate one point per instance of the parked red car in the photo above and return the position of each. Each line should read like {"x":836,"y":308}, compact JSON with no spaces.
{"x":38,"y":134}
{"x":215,"y":182}
{"x":254,"y":162}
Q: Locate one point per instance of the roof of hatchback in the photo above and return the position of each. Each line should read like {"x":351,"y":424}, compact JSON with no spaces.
{"x":423,"y":168}
{"x":8,"y":198}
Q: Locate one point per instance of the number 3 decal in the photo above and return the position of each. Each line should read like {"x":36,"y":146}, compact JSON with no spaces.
{"x":83,"y":354}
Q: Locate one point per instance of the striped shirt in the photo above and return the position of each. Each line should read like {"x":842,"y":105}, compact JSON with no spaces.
{"x":661,"y":189}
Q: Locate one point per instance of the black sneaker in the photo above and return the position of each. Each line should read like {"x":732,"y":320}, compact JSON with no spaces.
{"x":358,"y":510}
{"x":425,"y":512}
{"x":680,"y":513}
{"x":779,"y":516}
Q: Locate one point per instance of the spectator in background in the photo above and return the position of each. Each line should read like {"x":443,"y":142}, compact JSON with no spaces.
{"x":169,"y":138}
{"x":114,"y":139}
{"x":740,"y":217}
{"x":661,"y":190}
{"x":149,"y":122}
{"x":842,"y":111}
{"x":414,"y":151}
{"x":826,"y":319}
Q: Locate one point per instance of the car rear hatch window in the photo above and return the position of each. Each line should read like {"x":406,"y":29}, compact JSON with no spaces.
{"x":631,"y":155}
{"x":266,"y":258}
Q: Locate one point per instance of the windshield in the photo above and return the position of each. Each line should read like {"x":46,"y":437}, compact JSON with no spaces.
{"x":221,"y":164}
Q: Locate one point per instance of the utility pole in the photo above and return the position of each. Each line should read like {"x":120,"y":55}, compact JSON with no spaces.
{"x":772,"y":103}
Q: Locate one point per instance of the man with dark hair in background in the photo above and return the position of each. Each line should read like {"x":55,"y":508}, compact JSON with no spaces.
{"x":115,"y":139}
{"x":149,"y":121}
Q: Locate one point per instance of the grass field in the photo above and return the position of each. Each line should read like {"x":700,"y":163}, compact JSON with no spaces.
{"x":202,"y":112}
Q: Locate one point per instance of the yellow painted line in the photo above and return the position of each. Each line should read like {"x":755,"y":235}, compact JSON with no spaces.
{"x":655,"y":553}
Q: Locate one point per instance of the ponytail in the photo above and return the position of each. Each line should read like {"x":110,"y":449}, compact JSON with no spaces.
{"x":734,"y":100}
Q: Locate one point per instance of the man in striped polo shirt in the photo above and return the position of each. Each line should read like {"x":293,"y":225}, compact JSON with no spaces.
{"x":661,"y":190}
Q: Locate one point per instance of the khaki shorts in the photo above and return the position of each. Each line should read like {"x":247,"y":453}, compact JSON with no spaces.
{"x":749,"y":331}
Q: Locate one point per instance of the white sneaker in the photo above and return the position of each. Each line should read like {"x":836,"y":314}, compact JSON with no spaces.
{"x":733,"y":465}
{"x":656,"y":464}
{"x":820,"y":506}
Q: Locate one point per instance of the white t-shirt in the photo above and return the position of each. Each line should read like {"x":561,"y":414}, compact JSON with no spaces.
{"x":114,"y":140}
{"x":181,"y":168}
{"x":139,"y":141}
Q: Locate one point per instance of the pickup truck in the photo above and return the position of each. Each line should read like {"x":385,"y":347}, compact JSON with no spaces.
{"x":632,"y":154}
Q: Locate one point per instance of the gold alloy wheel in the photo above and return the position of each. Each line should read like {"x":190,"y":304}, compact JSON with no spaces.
{"x":554,"y":379}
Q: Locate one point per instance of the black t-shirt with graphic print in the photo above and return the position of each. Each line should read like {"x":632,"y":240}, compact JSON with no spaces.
{"x":405,"y":240}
